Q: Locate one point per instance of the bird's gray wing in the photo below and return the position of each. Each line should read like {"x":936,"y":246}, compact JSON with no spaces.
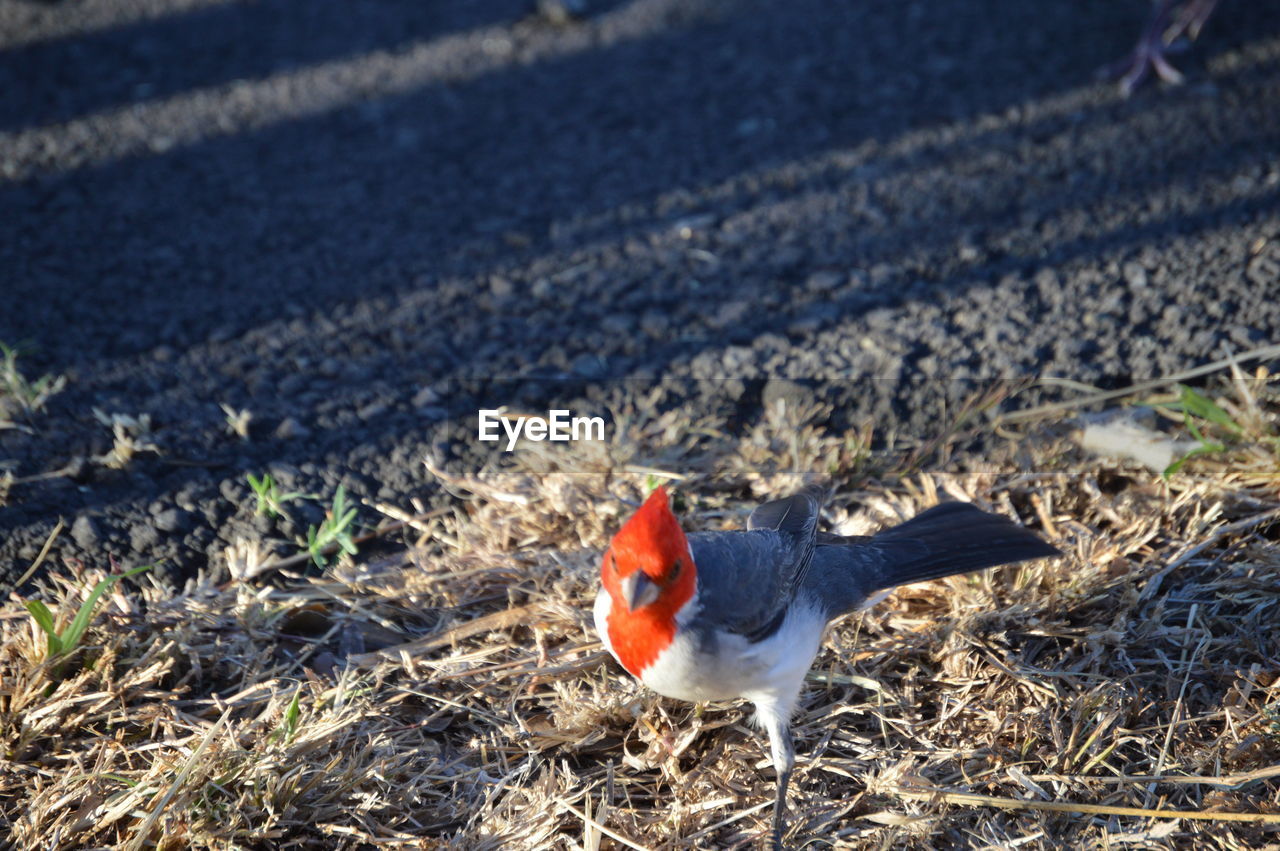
{"x":798,"y":512}
{"x":748,"y":579}
{"x":795,"y":520}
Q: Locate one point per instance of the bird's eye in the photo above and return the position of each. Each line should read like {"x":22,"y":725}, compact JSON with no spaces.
{"x":675,"y":570}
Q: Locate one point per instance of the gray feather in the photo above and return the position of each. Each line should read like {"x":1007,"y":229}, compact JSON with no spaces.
{"x":754,"y":575}
{"x":955,"y":537}
{"x":797,"y":513}
{"x":747,"y":580}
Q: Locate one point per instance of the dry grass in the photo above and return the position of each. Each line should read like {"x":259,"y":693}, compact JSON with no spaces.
{"x":457,"y":696}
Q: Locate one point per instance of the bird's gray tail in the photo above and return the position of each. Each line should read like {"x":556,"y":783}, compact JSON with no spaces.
{"x":954,"y":537}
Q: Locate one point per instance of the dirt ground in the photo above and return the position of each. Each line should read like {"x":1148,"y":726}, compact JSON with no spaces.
{"x":352,"y":220}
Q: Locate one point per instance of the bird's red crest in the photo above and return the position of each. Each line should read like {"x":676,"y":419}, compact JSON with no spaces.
{"x":653,"y":542}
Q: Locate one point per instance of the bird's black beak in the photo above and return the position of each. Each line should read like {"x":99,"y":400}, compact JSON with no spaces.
{"x":638,"y":590}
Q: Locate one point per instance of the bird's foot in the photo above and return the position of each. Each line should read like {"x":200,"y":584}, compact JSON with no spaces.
{"x":1147,"y":56}
{"x":1164,"y":34}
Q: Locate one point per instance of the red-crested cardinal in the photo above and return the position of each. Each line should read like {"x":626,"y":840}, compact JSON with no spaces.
{"x":719,"y":615}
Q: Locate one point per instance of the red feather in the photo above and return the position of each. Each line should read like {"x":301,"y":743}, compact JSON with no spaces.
{"x":653,"y":542}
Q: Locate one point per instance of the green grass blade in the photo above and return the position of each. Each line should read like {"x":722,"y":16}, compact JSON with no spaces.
{"x":315,"y":546}
{"x":338,"y":516}
{"x":262,"y":488}
{"x":1205,"y":448}
{"x":1194,"y":429}
{"x":1194,"y":402}
{"x":292,"y":714}
{"x":44,"y":618}
{"x":40,"y":612}
{"x":72,"y":634}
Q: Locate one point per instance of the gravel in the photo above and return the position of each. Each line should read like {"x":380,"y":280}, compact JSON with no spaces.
{"x":336,"y":215}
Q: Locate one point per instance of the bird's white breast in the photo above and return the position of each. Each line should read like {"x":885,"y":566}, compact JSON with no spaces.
{"x":693,"y":669}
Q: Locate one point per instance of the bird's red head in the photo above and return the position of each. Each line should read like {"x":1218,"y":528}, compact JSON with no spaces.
{"x":649,"y":573}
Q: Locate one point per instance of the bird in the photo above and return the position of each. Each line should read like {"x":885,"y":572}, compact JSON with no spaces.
{"x":721,"y":615}
{"x":1163,"y":29}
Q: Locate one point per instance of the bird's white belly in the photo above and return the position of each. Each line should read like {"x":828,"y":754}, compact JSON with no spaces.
{"x":733,"y":666}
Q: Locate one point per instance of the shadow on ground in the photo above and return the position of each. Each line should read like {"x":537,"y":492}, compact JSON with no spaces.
{"x":400,"y":196}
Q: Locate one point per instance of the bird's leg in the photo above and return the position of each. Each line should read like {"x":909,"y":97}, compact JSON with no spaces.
{"x":1148,"y":53}
{"x":1161,"y":31}
{"x":779,"y":807}
{"x":1190,"y":20}
{"x":784,"y":760}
